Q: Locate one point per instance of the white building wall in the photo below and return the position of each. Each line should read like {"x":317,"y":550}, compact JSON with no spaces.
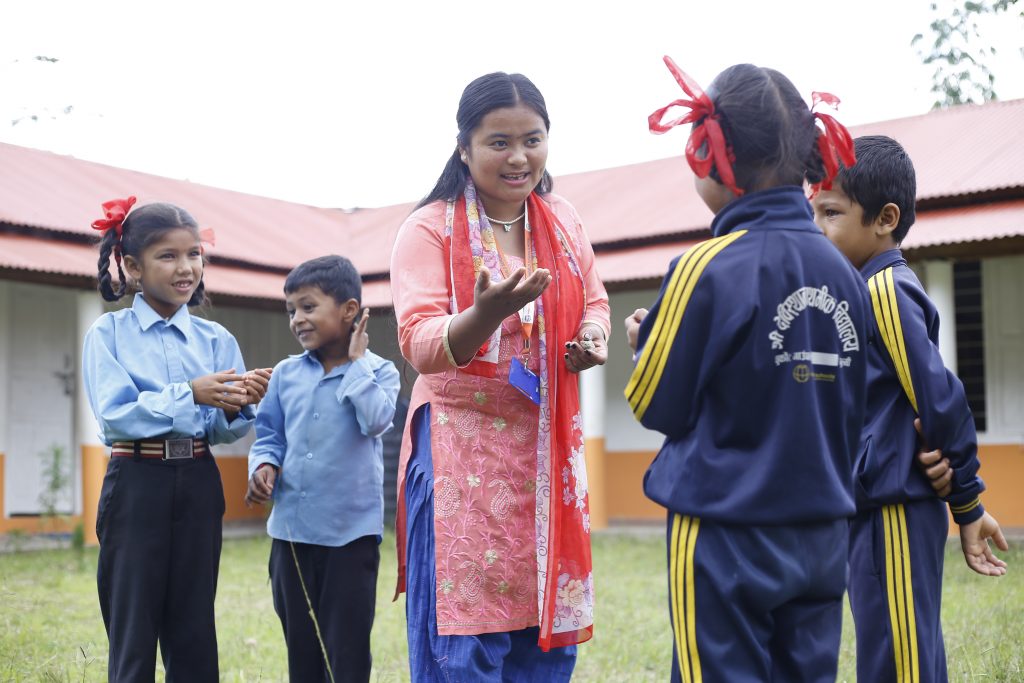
{"x":938,"y":282}
{"x":1003,"y":301}
{"x":5,"y":363}
{"x":623,"y":432}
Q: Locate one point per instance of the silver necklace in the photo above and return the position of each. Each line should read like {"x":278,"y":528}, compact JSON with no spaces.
{"x":507,"y":225}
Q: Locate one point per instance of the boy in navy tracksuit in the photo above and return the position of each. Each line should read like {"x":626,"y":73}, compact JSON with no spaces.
{"x":751,"y":362}
{"x":898,"y":535}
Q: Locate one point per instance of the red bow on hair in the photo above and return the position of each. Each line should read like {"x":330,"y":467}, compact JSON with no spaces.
{"x":834,"y":143}
{"x":207,"y":238}
{"x":707,"y":131}
{"x":115,"y":211}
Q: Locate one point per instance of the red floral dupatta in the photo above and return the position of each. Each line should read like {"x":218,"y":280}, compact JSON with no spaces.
{"x":565,"y":582}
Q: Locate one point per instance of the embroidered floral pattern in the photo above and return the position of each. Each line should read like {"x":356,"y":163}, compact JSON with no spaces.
{"x":503,"y":503}
{"x":447,"y":497}
{"x":467,"y":422}
{"x":480,"y":398}
{"x":472,"y":582}
{"x":574,"y":601}
{"x":473,"y":480}
{"x":499,"y":423}
{"x":490,"y":557}
{"x":442,"y":419}
{"x":447,"y":585}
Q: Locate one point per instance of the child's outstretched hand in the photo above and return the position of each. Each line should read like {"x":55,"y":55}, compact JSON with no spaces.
{"x":974,"y":541}
{"x":360,"y":340}
{"x":261,"y":485}
{"x":633,"y":327}
{"x":256,"y":383}
{"x":216,"y":390}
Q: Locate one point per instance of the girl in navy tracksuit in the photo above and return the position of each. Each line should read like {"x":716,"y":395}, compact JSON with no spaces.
{"x":751,"y":362}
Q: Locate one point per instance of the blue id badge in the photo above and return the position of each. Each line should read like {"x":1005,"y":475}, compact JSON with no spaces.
{"x":525,"y":381}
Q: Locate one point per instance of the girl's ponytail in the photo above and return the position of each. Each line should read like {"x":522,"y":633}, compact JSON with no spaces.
{"x":814,"y":166}
{"x":110,"y":244}
{"x":112,"y":226}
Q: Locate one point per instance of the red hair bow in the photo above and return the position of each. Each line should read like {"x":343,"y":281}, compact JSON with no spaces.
{"x":115,"y":211}
{"x":207,"y":238}
{"x":834,"y":143}
{"x":707,"y":131}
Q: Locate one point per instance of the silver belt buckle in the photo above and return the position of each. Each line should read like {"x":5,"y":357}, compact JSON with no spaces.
{"x":178,"y":449}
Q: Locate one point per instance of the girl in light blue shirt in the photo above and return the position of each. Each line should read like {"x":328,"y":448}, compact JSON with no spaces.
{"x":164,"y":386}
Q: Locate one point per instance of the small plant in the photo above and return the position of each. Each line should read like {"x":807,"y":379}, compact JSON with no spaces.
{"x":56,"y":480}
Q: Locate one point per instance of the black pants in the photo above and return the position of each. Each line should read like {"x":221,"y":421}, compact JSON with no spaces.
{"x":159,"y":526}
{"x":342,"y":587}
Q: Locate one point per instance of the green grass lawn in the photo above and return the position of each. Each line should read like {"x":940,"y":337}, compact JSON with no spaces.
{"x":50,"y":627}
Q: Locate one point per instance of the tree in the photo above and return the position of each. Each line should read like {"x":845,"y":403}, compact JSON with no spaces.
{"x":961,"y":75}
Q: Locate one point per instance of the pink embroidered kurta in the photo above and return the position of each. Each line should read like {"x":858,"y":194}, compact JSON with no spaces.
{"x":484,"y":441}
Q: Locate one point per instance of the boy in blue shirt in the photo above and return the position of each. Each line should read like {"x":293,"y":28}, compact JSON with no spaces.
{"x":318,"y":454}
{"x":899,"y":532}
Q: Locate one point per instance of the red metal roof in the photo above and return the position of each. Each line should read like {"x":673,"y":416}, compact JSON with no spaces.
{"x":961,"y":150}
{"x":977,"y":223}
{"x":21,"y":252}
{"x":956,"y":152}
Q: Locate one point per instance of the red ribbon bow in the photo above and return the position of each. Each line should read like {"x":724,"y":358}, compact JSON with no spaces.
{"x":115,"y":211}
{"x":834,"y":143}
{"x":207,"y":238}
{"x":707,"y":131}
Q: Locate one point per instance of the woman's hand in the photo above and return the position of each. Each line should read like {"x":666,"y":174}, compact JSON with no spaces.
{"x":215,"y":390}
{"x":502,"y":299}
{"x":588,"y":349}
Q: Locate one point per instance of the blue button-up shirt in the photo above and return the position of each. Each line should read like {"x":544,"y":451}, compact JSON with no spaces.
{"x":322,"y":431}
{"x":136,"y":367}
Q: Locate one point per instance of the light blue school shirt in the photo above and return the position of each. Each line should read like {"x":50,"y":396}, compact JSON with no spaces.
{"x":136,"y":367}
{"x":322,"y":431}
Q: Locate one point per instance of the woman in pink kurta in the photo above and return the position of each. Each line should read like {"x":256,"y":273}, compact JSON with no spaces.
{"x":499,"y":305}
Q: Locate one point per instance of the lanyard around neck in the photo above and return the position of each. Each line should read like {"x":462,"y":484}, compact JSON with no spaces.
{"x":527,"y":314}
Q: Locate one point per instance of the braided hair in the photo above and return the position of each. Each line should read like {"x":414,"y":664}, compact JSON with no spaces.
{"x":769,"y":127}
{"x":141,"y":228}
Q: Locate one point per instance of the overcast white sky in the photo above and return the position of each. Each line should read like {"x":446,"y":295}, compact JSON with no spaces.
{"x":353,"y":103}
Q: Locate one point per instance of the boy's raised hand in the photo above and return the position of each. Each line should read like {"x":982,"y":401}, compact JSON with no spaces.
{"x":974,"y":542}
{"x":218,"y":391}
{"x":360,"y":340}
{"x":261,"y":485}
{"x":256,"y":383}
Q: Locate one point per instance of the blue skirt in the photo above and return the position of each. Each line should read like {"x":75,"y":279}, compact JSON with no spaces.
{"x":483,"y":658}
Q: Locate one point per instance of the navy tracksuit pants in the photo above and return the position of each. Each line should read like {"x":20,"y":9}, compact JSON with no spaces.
{"x":896,"y":559}
{"x":756,"y":603}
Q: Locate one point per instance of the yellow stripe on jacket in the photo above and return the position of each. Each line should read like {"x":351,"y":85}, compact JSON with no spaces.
{"x":652,"y":361}
{"x":887,"y":315}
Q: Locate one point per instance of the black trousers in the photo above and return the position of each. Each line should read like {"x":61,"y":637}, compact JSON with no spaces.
{"x":342,"y":587}
{"x":159,"y":527}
